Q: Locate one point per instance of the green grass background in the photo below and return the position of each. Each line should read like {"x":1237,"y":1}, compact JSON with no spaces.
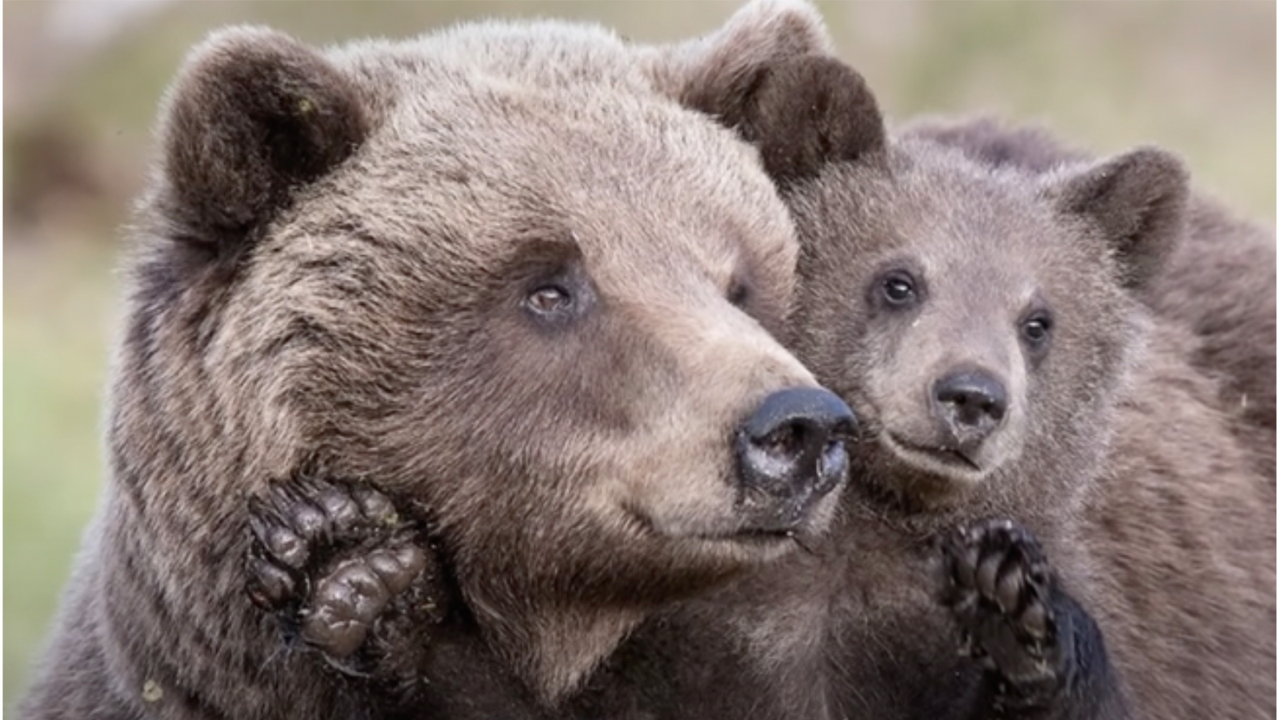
{"x":1197,"y":77}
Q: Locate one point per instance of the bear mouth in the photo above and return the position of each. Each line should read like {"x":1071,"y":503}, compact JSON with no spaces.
{"x":940,"y":459}
{"x":736,"y":533}
{"x":756,"y":539}
{"x":759,"y":544}
{"x":750,"y":536}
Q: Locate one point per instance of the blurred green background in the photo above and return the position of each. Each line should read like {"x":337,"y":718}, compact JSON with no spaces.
{"x":81,"y":82}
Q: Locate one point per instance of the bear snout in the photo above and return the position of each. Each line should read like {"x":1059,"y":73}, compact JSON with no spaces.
{"x":969,"y":405}
{"x":791,"y":453}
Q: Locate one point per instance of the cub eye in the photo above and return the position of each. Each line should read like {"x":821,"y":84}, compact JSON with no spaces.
{"x":1036,"y":329}
{"x":899,"y":289}
{"x":738,"y":294}
{"x":549,"y":300}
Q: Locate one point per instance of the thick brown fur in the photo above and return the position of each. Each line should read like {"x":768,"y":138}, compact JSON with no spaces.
{"x":336,"y":273}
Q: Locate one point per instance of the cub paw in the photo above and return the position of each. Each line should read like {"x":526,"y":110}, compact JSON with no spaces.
{"x":329,"y":559}
{"x":1002,"y":593}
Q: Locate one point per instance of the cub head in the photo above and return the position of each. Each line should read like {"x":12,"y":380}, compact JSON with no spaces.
{"x":534,"y":297}
{"x":982,"y":323}
{"x":980,"y":320}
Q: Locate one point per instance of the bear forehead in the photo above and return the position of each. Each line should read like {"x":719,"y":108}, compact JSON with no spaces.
{"x":963,"y":211}
{"x":496,"y":186}
{"x":490,"y":162}
{"x":544,"y":53}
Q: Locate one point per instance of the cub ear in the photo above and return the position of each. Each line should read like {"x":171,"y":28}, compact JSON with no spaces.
{"x":1137,"y":200}
{"x":252,"y":115}
{"x":770,"y":74}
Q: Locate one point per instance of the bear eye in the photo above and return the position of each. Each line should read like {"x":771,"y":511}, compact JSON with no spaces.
{"x":549,"y":300}
{"x":738,"y":294}
{"x":1036,"y":329}
{"x":899,"y":289}
{"x":557,"y":297}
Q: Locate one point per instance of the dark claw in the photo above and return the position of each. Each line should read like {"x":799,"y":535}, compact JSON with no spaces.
{"x":1035,"y":620}
{"x":1009,"y":589}
{"x":375,"y":506}
{"x":341,"y":510}
{"x":287,"y":548}
{"x":308,"y":520}
{"x":269,"y":586}
{"x":986,"y":574}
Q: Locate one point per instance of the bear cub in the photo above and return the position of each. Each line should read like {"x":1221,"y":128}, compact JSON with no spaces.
{"x":1220,"y":282}
{"x":991,"y":327}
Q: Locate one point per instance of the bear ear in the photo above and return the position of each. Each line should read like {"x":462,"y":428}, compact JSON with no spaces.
{"x":1138,"y":200}
{"x":252,"y":115}
{"x":718,"y":72}
{"x":808,"y":112}
{"x":770,"y":74}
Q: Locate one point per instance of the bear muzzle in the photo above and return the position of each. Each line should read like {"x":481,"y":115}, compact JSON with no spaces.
{"x":969,"y":405}
{"x":965,"y":432}
{"x":790,"y":454}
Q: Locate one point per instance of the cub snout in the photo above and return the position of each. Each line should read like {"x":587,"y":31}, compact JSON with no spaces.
{"x":969,"y":406}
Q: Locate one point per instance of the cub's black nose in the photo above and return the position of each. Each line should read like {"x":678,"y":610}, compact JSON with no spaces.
{"x":792,"y":447}
{"x":970,"y":404}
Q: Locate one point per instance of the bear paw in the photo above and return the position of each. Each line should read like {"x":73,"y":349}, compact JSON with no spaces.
{"x":329,"y":559}
{"x":1002,"y":593}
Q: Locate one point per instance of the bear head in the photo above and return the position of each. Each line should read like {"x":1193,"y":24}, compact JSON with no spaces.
{"x":496,"y":272}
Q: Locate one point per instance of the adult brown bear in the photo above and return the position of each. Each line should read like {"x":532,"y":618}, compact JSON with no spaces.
{"x":491,"y":268}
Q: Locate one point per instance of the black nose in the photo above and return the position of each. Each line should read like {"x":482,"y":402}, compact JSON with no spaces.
{"x":792,"y":446}
{"x":970,"y":404}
